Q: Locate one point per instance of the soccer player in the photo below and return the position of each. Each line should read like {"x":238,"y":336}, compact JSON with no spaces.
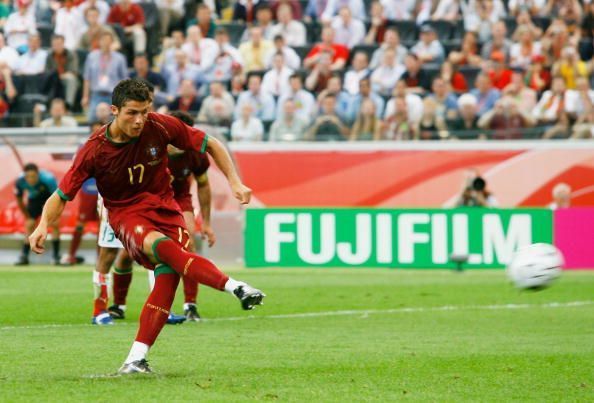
{"x":39,"y":186}
{"x":128,"y":158}
{"x":182,"y":165}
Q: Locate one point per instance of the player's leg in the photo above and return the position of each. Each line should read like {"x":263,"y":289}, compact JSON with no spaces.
{"x":122,"y":277}
{"x":163,"y":250}
{"x":190,"y":286}
{"x":24,"y":258}
{"x":55,"y":231}
{"x":101,"y":285}
{"x":76,"y":240}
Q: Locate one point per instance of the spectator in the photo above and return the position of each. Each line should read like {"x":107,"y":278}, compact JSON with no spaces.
{"x":506,"y":120}
{"x":534,"y":7}
{"x":522,"y":53}
{"x":468,"y":54}
{"x":480,"y":15}
{"x":263,"y":21}
{"x":328,"y":126}
{"x":538,"y":77}
{"x":19,"y":25}
{"x":561,"y":196}
{"x":276,"y":80}
{"x":69,"y":24}
{"x":314,"y":10}
{"x":367,"y":126}
{"x":180,"y":70}
{"x":289,"y":126}
{"x":217,"y":108}
{"x":255,"y":50}
{"x":5,"y":9}
{"x":580,"y":100}
{"x":446,"y":10}
{"x":245,"y":10}
{"x":348,"y":31}
{"x":131,"y":18}
{"x":237,"y":85}
{"x":414,"y":103}
{"x":378,"y":24}
{"x":64,"y":62}
{"x":357,"y":7}
{"x":399,"y":125}
{"x":428,"y":49}
{"x":103,"y":113}
{"x":8,"y":56}
{"x":584,"y":126}
{"x":550,"y":109}
{"x":343,"y":100}
{"x":90,"y":38}
{"x":33,"y":61}
{"x":204,"y":21}
{"x":101,"y":6}
{"x":339,"y":54}
{"x":170,"y":47}
{"x":499,"y":74}
{"x":453,"y":78}
{"x":228,"y":60}
{"x":143,"y":71}
{"x":104,"y":68}
{"x":432,"y":125}
{"x":317,"y":80}
{"x":201,"y":52}
{"x":363,"y":94}
{"x":291,"y":57}
{"x":570,"y":67}
{"x":498,"y":43}
{"x":391,"y":41}
{"x":385,"y":76}
{"x":170,"y":14}
{"x":475,"y":192}
{"x":187,"y":99}
{"x":58,"y":116}
{"x":564,"y":9}
{"x":465,"y":126}
{"x":485,"y":94}
{"x":8,"y":90}
{"x":292,"y":31}
{"x":263,"y":105}
{"x":523,"y":96}
{"x":296,"y":10}
{"x":356,"y":73}
{"x":524,"y":18}
{"x":416,"y":79}
{"x":305,"y":103}
{"x":247,"y":127}
{"x":445,"y":102}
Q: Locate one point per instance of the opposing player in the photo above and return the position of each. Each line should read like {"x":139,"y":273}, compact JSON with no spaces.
{"x":128,"y":158}
{"x":39,"y":186}
{"x":182,"y":165}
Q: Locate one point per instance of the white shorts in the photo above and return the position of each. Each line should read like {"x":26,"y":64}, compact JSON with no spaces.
{"x":106,"y":238}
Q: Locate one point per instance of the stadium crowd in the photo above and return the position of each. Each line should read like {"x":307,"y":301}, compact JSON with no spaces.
{"x":287,"y":70}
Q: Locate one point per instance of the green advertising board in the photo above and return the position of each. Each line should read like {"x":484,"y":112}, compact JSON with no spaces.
{"x":396,"y":238}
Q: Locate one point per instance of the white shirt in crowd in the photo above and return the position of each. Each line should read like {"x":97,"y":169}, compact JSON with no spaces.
{"x":352,"y":78}
{"x":175,"y":5}
{"x":305,"y":105}
{"x":292,"y":59}
{"x":18,"y":28}
{"x":31,"y":63}
{"x":384,"y":78}
{"x":414,"y":104}
{"x":276,"y":82}
{"x":202,"y":55}
{"x":100,"y":5}
{"x":252,"y":130}
{"x":398,"y":9}
{"x":70,"y":26}
{"x":9,"y":56}
{"x":294,"y":33}
{"x":348,"y":35}
{"x":357,"y":8}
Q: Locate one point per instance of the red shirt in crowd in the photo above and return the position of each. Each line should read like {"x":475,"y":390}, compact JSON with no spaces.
{"x":126,"y":17}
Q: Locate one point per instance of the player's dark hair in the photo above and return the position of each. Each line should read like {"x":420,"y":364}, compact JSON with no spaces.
{"x":183,"y":116}
{"x":130,"y":89}
{"x":31,"y":167}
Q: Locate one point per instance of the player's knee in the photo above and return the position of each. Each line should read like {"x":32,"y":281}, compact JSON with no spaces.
{"x":150,"y":242}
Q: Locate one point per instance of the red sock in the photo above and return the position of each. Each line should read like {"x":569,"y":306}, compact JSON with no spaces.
{"x":190,"y":290}
{"x":121,"y":285}
{"x":100,"y":284}
{"x":189,"y":264}
{"x":156,"y":309}
{"x":76,"y":238}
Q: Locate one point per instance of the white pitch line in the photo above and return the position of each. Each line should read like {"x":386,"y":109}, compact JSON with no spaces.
{"x":363,"y":312}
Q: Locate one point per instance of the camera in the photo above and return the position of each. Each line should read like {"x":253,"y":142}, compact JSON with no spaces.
{"x":478,"y":184}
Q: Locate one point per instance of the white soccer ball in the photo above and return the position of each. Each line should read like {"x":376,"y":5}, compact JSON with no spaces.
{"x":535,"y":266}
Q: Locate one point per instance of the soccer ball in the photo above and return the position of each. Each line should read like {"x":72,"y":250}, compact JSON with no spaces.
{"x":535,"y":267}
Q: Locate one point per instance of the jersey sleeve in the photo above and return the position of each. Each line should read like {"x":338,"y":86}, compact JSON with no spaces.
{"x":183,"y":136}
{"x":200,"y":164}
{"x":80,"y":170}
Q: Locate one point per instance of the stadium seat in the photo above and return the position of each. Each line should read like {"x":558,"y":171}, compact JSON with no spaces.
{"x":45,"y":32}
{"x":367,"y":49}
{"x":470,"y":73}
{"x":313,"y":31}
{"x":302,"y":51}
{"x":21,"y":114}
{"x":451,"y":45}
{"x":235,"y":31}
{"x":444,"y":29}
{"x":407,"y":30}
{"x":432,"y":70}
{"x":511,"y":25}
{"x":542,"y":22}
{"x":82,"y":57}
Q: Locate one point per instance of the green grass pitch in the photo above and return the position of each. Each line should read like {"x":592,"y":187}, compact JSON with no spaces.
{"x":323,"y":335}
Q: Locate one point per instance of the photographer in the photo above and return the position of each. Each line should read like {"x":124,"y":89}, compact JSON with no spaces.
{"x":475,"y":193}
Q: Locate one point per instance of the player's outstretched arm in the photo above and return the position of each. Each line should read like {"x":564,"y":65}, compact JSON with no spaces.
{"x":54,"y":206}
{"x":225,"y":164}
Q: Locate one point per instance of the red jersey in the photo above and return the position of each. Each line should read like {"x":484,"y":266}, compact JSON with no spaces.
{"x":336,"y":51}
{"x":132,"y":16}
{"x":132,"y":176}
{"x":182,"y":166}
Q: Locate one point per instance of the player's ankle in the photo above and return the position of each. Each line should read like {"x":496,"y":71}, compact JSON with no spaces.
{"x":232,"y":284}
{"x":139,"y":351}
